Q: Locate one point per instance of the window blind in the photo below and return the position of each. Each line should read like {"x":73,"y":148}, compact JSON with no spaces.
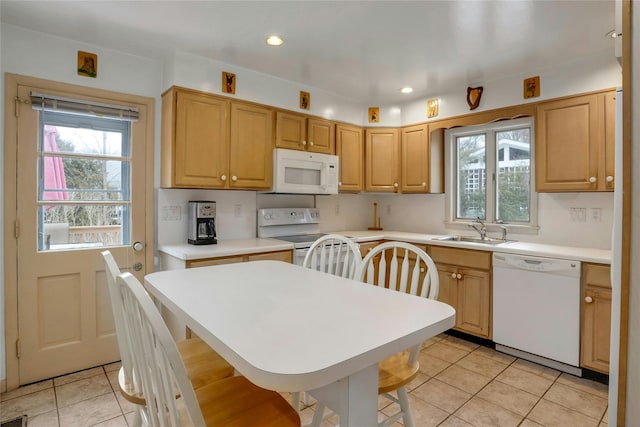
{"x":81,"y":107}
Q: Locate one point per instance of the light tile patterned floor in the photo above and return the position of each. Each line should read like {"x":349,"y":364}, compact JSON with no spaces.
{"x":460,"y":384}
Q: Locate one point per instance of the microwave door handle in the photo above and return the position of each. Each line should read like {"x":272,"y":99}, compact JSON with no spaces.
{"x":323,"y":176}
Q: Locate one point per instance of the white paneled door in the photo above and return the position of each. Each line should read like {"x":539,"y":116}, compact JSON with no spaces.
{"x":82,"y":187}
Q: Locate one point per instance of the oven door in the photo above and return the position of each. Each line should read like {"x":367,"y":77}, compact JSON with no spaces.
{"x":300,"y":253}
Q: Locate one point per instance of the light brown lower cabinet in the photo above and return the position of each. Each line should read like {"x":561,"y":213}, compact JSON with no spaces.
{"x":285,"y":256}
{"x":596,"y":317}
{"x":465,"y":284}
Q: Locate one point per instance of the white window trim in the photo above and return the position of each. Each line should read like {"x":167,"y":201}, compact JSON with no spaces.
{"x":451,"y":170}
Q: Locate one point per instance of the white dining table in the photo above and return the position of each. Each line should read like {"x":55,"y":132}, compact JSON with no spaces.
{"x":288,"y":328}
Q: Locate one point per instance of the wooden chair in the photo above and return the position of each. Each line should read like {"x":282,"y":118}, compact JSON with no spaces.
{"x":334,"y":254}
{"x":203,"y":364}
{"x":161,"y":373}
{"x":405,"y":268}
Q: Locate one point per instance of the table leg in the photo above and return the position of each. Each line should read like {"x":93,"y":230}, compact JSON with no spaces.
{"x":354,"y":399}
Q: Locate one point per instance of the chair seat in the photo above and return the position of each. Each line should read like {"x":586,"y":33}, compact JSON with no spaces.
{"x":203,"y":364}
{"x":236,"y":402}
{"x":394,"y":372}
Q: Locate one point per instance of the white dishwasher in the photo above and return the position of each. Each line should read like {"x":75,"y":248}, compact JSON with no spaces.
{"x":536,"y":309}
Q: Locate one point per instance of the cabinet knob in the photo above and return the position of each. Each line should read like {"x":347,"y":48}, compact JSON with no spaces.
{"x":303,"y":143}
{"x":395,"y":184}
{"x":592,"y":179}
{"x":453,"y":275}
{"x":223,"y":178}
{"x":459,"y":276}
{"x":340,"y":183}
{"x":609,"y":178}
{"x":421,"y":269}
{"x":424,"y":184}
{"x":234,"y":178}
{"x":311,"y":143}
{"x":588,"y":300}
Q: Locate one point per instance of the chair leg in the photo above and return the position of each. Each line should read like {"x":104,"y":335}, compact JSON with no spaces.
{"x":295,"y":400}
{"x":403,"y":399}
{"x":317,"y":415}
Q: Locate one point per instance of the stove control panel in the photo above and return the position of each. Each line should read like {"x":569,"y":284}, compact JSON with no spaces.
{"x":288,"y":216}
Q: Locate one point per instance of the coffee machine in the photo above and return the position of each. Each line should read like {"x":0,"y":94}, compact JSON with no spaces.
{"x":202,"y":222}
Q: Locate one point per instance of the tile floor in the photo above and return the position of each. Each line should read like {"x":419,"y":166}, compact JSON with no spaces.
{"x":460,"y":384}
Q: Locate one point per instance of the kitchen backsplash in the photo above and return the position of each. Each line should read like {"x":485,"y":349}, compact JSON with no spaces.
{"x":568,"y":219}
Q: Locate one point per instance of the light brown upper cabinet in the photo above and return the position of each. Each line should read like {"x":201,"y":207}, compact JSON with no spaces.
{"x":299,"y":132}
{"x":422,"y":160}
{"x":211,"y":142}
{"x":575,"y":140}
{"x":382,"y":160}
{"x":350,"y":150}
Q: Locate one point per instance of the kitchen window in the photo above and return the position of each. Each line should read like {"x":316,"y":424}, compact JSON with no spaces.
{"x":491,"y":175}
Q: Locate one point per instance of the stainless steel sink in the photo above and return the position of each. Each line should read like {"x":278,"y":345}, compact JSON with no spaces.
{"x":472,"y":239}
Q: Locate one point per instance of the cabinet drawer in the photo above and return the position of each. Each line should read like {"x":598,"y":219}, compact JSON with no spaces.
{"x":461,"y":257}
{"x":596,"y":275}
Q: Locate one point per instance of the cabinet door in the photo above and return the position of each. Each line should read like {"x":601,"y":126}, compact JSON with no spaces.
{"x":291,"y":131}
{"x":321,"y":136}
{"x":350,"y":150}
{"x":596,"y":317}
{"x":415,"y":159}
{"x":251,"y":147}
{"x":214,"y":261}
{"x":382,"y":160}
{"x":567,"y":144}
{"x":201,"y":140}
{"x":609,"y":126}
{"x":474,"y":302}
{"x":448,"y":285}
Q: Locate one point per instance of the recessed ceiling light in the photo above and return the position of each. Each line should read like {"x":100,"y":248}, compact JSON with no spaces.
{"x":406,"y":90}
{"x":274,"y":41}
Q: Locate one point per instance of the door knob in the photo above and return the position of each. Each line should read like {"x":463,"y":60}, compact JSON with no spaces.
{"x":137,"y":246}
{"x":137,"y":266}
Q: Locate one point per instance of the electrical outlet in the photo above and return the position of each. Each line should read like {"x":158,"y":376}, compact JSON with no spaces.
{"x":596,"y":214}
{"x":237,"y":211}
{"x":578,"y":214}
{"x":389,"y":209}
{"x":337,"y":210}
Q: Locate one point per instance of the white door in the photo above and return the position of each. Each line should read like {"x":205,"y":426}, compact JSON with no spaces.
{"x":82,"y":184}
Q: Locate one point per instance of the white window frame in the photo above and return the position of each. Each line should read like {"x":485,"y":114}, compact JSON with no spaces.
{"x":451,"y":191}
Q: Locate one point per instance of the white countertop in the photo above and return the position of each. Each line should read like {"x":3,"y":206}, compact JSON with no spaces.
{"x":602,"y":256}
{"x":248,"y":246}
{"x":186,"y":251}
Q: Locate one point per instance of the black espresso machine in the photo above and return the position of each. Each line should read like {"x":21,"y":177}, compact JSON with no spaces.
{"x":202,"y":222}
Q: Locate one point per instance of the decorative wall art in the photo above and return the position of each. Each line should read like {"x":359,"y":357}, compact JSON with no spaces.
{"x":374,"y":114}
{"x":87,"y":64}
{"x":532,"y":87}
{"x":228,"y":82}
{"x":305,"y":100}
{"x":473,"y":96}
{"x":433,"y":107}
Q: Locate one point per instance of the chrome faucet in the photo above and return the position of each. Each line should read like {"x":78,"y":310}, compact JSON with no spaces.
{"x":504,"y":232}
{"x":482,"y":230}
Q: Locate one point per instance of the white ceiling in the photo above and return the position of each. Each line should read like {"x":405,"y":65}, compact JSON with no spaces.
{"x":364,"y":50}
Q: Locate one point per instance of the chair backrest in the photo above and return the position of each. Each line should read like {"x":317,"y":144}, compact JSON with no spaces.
{"x":157,"y":365}
{"x":112,"y":271}
{"x":400,"y":266}
{"x":390,"y":265}
{"x":334,"y":254}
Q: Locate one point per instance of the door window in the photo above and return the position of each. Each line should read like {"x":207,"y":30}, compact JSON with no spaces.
{"x":84,"y":176}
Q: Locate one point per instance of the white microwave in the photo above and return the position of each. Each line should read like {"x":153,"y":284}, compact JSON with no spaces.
{"x":300,"y":172}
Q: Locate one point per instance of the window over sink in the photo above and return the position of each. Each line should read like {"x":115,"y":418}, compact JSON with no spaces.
{"x":490,"y":174}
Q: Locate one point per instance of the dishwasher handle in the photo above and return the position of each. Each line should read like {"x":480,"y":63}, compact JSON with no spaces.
{"x":538,"y":264}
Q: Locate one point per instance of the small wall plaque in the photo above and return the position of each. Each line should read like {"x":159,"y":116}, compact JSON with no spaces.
{"x":228,"y":82}
{"x":87,"y":64}
{"x":532,"y":87}
{"x":374,"y":114}
{"x":433,"y":107}
{"x":305,"y":100}
{"x":473,"y":96}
